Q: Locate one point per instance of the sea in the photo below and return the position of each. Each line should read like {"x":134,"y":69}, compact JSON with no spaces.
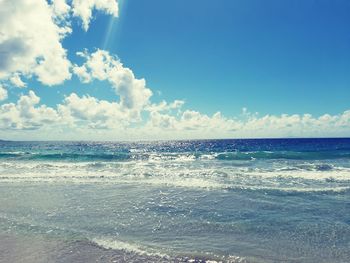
{"x":239,"y":200}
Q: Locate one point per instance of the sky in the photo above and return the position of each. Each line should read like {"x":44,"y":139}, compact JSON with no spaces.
{"x":157,"y":69}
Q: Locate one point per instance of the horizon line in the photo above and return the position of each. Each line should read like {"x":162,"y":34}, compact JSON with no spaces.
{"x":169,"y":140}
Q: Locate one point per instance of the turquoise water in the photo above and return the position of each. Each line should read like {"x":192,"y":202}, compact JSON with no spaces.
{"x":225,"y":200}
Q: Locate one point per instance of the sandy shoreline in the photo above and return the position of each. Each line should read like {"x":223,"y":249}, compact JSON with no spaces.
{"x":41,"y":249}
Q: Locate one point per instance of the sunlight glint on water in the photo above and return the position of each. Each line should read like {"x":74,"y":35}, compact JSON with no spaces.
{"x":238,"y":200}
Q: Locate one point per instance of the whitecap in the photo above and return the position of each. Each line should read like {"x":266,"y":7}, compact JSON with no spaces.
{"x":109,"y":243}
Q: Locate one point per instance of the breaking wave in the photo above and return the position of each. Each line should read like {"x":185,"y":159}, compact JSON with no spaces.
{"x":185,"y":156}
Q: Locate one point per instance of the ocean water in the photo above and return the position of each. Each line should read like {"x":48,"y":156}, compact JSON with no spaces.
{"x":266,"y":200}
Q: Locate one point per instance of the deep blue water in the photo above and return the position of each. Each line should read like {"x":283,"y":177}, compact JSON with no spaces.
{"x":266,"y":200}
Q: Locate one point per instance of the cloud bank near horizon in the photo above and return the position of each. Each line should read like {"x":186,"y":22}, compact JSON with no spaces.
{"x":31,"y":35}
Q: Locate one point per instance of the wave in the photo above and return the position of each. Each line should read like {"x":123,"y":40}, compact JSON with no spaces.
{"x":267,"y":182}
{"x":179,"y":170}
{"x":182,"y":168}
{"x":322,"y":167}
{"x":156,"y":256}
{"x":292,"y":189}
{"x":108,"y":243}
{"x":289,"y":155}
{"x":182,"y":165}
{"x":5,"y":155}
{"x":175,"y":156}
{"x":66,"y":156}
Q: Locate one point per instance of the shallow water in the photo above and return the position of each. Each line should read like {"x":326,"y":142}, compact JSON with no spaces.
{"x":223,"y":200}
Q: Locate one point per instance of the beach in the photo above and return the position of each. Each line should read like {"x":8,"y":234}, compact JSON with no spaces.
{"x":175,"y":201}
{"x":44,"y":249}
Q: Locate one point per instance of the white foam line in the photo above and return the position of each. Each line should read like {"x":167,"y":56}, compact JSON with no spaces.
{"x":133,"y":248}
{"x":292,"y":189}
{"x":313,"y":175}
{"x":192,"y":183}
{"x":128,"y":247}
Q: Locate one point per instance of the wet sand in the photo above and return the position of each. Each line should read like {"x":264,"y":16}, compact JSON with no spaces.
{"x":41,"y":249}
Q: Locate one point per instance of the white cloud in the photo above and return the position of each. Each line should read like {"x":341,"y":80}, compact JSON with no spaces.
{"x":30,"y":42}
{"x":3,"y":93}
{"x":74,"y":112}
{"x":93,"y":113}
{"x":100,"y":65}
{"x":26,"y":114}
{"x":84,"y":9}
{"x":192,"y":124}
{"x":165,"y":106}
{"x":86,"y":117}
{"x":31,"y":34}
{"x":60,"y":8}
{"x":17,"y":81}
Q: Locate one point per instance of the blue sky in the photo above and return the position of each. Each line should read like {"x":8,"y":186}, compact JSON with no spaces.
{"x":269,"y":56}
{"x":272,"y":57}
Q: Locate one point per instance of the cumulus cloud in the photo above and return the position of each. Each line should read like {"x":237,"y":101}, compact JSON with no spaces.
{"x":193,"y":124}
{"x":93,"y":113}
{"x":165,"y":121}
{"x":74,"y":112}
{"x":84,"y":8}
{"x":100,"y":65}
{"x":165,"y":106}
{"x":30,"y":42}
{"x":17,"y":81}
{"x":31,"y":34}
{"x":60,"y":8}
{"x":26,"y":114}
{"x":3,"y":93}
